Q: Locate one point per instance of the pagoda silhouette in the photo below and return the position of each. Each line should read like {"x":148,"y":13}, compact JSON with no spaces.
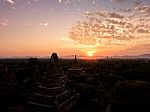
{"x":51,"y":93}
{"x":76,"y":71}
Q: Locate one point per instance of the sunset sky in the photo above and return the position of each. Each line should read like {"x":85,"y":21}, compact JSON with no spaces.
{"x":68,"y":27}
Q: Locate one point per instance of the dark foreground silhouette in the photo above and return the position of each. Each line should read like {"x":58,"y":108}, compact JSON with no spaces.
{"x":108,"y":85}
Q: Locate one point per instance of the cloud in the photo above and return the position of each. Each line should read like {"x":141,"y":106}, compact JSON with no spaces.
{"x":112,"y":21}
{"x":118,"y":0}
{"x":115,"y":15}
{"x":10,"y":1}
{"x":143,"y":8}
{"x":102,"y":13}
{"x":4,"y":24}
{"x":66,"y":39}
{"x":143,"y":31}
{"x":28,"y":2}
{"x":126,"y":10}
{"x":59,"y":1}
{"x":107,"y":25}
{"x":137,"y":2}
{"x":43,"y":24}
{"x":108,"y":28}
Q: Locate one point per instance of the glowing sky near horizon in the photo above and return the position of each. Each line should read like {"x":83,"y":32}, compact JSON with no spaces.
{"x":82,"y":27}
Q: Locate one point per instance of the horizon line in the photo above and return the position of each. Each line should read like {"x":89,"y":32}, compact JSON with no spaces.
{"x":81,"y":56}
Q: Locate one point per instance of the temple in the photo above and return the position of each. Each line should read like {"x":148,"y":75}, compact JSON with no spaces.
{"x":76,"y":76}
{"x":76,"y":71}
{"x":52,"y":94}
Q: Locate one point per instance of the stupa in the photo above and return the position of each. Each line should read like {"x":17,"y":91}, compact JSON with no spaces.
{"x":75,"y":71}
{"x":76,"y":76}
{"x":52,"y":95}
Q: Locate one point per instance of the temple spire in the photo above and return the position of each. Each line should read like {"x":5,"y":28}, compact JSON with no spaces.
{"x":6,"y":69}
{"x":75,"y":58}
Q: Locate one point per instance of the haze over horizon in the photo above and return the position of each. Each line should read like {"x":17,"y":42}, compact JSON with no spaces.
{"x":82,"y":27}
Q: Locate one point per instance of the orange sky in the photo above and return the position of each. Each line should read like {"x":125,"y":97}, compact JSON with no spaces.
{"x":68,"y":27}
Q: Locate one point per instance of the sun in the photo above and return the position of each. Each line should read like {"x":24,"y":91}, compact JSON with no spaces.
{"x":89,"y":50}
{"x":90,"y":53}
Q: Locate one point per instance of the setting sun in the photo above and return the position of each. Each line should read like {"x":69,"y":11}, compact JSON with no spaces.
{"x":90,"y":53}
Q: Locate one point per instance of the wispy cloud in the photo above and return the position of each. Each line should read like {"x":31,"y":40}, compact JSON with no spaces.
{"x":59,"y":1}
{"x":143,"y":8}
{"x":43,"y":24}
{"x":126,"y":10}
{"x":111,"y":28}
{"x":4,"y":24}
{"x":118,"y":0}
{"x":137,"y":2}
{"x":66,"y":39}
{"x":115,"y":15}
{"x":69,"y":1}
{"x":10,"y":1}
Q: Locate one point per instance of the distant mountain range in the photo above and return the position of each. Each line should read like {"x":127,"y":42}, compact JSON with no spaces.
{"x":133,"y":56}
{"x":145,"y":55}
{"x":82,"y":57}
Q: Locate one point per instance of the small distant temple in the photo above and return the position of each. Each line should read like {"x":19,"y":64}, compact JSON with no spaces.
{"x":52,"y":94}
{"x":76,"y":75}
{"x":76,"y":70}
